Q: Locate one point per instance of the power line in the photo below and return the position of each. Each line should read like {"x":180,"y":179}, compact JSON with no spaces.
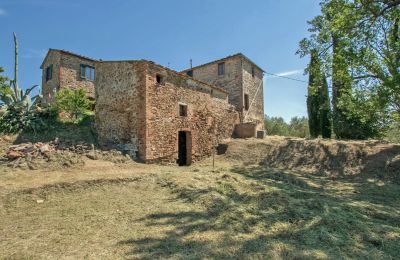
{"x":279,"y":76}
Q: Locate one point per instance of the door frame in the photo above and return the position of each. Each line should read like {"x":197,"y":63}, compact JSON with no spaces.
{"x":188,"y":145}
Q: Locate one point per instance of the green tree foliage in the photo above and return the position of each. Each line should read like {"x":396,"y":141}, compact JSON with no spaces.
{"x":313,"y":100}
{"x":357,"y":42}
{"x":325,"y":109}
{"x":318,"y":102}
{"x":73,"y":103}
{"x":276,"y":126}
{"x":4,"y":87}
{"x":298,"y":126}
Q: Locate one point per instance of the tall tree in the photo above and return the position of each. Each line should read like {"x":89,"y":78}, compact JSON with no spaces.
{"x":325,"y":109}
{"x":313,"y":100}
{"x":357,"y":44}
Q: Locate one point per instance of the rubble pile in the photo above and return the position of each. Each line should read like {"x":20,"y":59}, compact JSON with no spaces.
{"x":29,"y":151}
{"x":57,"y":153}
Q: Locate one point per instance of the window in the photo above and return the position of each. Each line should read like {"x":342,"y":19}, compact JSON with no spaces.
{"x":252,"y":72}
{"x":159,"y":79}
{"x":49,"y":72}
{"x":246,"y":101}
{"x":189,"y":73}
{"x":221,"y":68}
{"x":182,"y":110}
{"x":87,"y":72}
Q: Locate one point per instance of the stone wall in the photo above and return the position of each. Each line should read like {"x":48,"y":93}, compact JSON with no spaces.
{"x":238,"y":80}
{"x":253,"y":86}
{"x":50,"y":87}
{"x":70,"y":74}
{"x":66,"y":74}
{"x":207,"y":116}
{"x":120,"y":107}
{"x":231,"y":81}
{"x":245,"y":130}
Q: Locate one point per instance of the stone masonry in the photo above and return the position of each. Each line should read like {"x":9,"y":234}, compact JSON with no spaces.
{"x":65,"y":73}
{"x":157,"y":114}
{"x":241,"y":77}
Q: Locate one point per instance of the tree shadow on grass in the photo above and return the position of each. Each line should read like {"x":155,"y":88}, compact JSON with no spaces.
{"x":270,"y":214}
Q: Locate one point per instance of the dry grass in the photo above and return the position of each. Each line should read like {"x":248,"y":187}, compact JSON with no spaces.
{"x":104,"y":210}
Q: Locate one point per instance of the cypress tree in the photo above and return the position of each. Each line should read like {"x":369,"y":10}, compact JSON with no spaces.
{"x":312,"y":97}
{"x":325,"y":109}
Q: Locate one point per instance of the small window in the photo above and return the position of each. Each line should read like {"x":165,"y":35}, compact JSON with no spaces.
{"x":159,"y":79}
{"x":252,"y":72}
{"x":221,"y":68}
{"x":182,"y":110}
{"x":246,"y":101}
{"x":189,"y":73}
{"x":49,"y":72}
{"x":87,"y":72}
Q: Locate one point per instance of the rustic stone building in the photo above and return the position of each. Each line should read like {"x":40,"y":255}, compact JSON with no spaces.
{"x":63,"y":69}
{"x":157,"y":114}
{"x":243,"y":80}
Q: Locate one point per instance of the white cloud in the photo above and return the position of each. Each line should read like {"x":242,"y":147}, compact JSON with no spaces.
{"x":289,"y":73}
{"x":2,"y":12}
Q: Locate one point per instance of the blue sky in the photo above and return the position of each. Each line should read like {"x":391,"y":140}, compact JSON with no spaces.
{"x":169,"y":33}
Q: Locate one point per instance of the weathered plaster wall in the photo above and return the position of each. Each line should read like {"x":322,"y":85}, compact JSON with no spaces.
{"x":120,"y":104}
{"x":70,"y":74}
{"x":50,"y":87}
{"x":207,"y":116}
{"x":253,"y":86}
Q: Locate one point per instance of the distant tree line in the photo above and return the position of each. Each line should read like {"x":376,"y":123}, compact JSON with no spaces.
{"x":355,"y":52}
{"x":297,"y":127}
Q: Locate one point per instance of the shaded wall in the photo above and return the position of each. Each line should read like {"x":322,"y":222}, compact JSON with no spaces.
{"x":120,"y":107}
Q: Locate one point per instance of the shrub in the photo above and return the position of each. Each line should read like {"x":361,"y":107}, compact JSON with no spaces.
{"x":73,"y":103}
{"x":16,"y":118}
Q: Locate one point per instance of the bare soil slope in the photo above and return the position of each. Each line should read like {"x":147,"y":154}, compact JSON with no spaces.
{"x":331,"y":157}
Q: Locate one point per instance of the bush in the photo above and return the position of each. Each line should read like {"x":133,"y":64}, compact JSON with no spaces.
{"x":15,"y":119}
{"x":73,"y":103}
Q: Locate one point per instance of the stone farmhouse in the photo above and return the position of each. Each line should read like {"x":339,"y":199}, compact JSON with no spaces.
{"x":158,"y":114}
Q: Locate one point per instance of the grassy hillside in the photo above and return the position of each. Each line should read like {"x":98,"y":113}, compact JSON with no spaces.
{"x":107,"y":210}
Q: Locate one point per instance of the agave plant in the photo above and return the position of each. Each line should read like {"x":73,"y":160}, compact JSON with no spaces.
{"x":18,"y":97}
{"x":20,"y":111}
